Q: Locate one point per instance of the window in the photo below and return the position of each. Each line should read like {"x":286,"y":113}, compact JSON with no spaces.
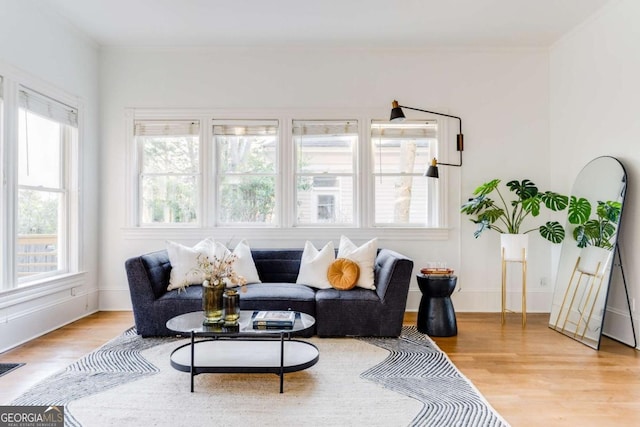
{"x":169,"y":153}
{"x":247,"y":168}
{"x":403,"y":197}
{"x":267,"y":170}
{"x":324,"y":171}
{"x":47,"y":136}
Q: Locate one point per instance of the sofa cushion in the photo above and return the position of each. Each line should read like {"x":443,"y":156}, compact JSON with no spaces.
{"x":314,"y":265}
{"x":178,"y":294}
{"x":364,"y":255}
{"x":185,"y":269}
{"x":343,"y":274}
{"x":243,"y":265}
{"x":355,"y":294}
{"x":157,"y":270}
{"x":277,"y":265}
{"x":278,"y":296}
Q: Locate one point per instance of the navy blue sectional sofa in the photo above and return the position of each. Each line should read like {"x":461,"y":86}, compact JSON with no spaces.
{"x":356,"y":312}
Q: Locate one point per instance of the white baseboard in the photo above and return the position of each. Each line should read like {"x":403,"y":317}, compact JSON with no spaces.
{"x":617,"y":325}
{"x":115,"y":300}
{"x":19,"y":327}
{"x":488,"y":301}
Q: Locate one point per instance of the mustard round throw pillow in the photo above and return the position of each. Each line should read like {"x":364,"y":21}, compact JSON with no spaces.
{"x":343,"y":274}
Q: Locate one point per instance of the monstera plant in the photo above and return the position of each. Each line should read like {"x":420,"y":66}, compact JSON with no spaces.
{"x":506,"y":215}
{"x":597,"y":231}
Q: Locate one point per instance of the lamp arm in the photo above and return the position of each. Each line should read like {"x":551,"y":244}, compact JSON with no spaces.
{"x":459,"y":139}
{"x":453,"y":164}
{"x":439,"y":114}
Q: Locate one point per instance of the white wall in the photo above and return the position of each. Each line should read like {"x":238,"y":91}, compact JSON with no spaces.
{"x":502,"y":97}
{"x":36,"y":45}
{"x":595,"y":106}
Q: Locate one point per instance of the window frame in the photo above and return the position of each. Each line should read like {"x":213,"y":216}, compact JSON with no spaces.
{"x":198,"y":175}
{"x":433,"y":198}
{"x":356,"y":191}
{"x":69,"y":252}
{"x":363,"y":225}
{"x":217,"y":176}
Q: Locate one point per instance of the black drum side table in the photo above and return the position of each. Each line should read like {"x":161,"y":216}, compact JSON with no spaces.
{"x":436,"y":316}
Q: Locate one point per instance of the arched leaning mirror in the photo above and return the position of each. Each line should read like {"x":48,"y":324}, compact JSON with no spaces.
{"x":588,"y":251}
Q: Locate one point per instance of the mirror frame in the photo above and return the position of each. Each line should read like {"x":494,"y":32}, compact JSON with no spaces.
{"x":598,"y":278}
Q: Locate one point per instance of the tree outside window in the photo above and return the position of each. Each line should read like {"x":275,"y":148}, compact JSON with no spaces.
{"x":247,"y":171}
{"x":401,"y":152}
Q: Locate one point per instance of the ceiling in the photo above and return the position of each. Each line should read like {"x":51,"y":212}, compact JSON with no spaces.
{"x":325,"y":23}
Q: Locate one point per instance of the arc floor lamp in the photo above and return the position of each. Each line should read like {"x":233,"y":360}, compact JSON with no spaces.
{"x":397,"y":115}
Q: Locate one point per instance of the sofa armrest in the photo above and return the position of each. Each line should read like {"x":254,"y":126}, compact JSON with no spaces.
{"x":392,"y":277}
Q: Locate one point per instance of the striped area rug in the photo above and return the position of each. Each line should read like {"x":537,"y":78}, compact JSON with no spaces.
{"x":430,"y":390}
{"x":417,"y":368}
{"x":5,"y":368}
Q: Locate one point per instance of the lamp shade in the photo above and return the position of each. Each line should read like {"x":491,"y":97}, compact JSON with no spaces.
{"x":397,"y":115}
{"x":432,"y":172}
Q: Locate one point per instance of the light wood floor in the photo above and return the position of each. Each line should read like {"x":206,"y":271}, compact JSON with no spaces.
{"x":532,"y":376}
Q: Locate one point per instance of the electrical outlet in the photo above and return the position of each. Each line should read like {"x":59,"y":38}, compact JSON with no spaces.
{"x":74,"y":292}
{"x":543,"y":282}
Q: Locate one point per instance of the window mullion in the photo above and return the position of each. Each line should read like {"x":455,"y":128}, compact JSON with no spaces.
{"x":207,"y":169}
{"x":286,"y":179}
{"x":10,"y":194}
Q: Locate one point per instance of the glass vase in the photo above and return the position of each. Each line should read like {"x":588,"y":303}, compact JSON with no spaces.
{"x":212,"y":296}
{"x":231,"y":305}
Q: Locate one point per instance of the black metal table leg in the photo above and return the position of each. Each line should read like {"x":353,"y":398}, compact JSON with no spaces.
{"x":281,"y":362}
{"x":192,"y":358}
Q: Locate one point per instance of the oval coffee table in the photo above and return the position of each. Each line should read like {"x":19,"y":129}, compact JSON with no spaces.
{"x":241,"y":348}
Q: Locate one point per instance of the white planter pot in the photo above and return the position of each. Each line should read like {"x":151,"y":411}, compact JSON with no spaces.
{"x":594,"y":260}
{"x":515,"y":246}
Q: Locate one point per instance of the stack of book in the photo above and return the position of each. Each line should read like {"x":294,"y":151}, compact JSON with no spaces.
{"x":436,"y":271}
{"x":274,"y":320}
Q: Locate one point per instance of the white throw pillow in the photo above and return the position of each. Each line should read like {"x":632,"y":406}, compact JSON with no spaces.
{"x":314,"y":265}
{"x":364,"y":256}
{"x":244,"y":265}
{"x":184,"y":263}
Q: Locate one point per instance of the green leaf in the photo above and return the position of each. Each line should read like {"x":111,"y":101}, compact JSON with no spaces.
{"x":490,"y":215}
{"x":608,"y":230}
{"x":482,"y":226}
{"x":552,"y":231}
{"x":579,"y":210}
{"x":592,"y":229}
{"x":532,"y":205}
{"x":580,"y":236}
{"x":476,"y":204}
{"x":524,"y":190}
{"x":554,"y":201}
{"x":609,"y":210}
{"x":487,"y":187}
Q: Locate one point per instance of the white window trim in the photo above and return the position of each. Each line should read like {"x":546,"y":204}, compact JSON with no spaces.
{"x":10,"y":287}
{"x":198,"y":177}
{"x":439,"y":185}
{"x":285,"y":187}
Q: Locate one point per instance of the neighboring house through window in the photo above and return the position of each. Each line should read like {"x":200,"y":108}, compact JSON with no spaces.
{"x":325,"y":165}
{"x":201,"y":172}
{"x":403,"y":197}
